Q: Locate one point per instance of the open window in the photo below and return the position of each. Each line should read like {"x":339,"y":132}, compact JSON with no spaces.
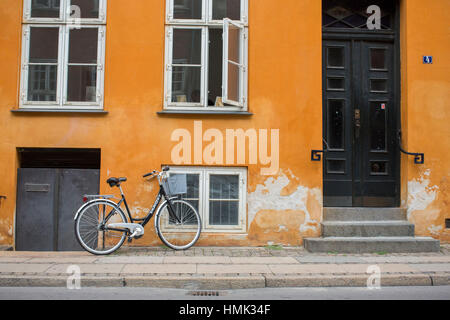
{"x":234,"y":70}
{"x":206,"y":58}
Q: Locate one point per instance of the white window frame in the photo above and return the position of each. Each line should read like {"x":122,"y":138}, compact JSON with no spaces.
{"x":64,"y":24}
{"x":242,"y":66}
{"x":205,"y":23}
{"x":64,"y":14}
{"x":204,"y":192}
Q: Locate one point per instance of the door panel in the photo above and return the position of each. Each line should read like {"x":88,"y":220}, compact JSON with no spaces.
{"x":360,"y":122}
{"x":47,"y":200}
{"x":35,"y":223}
{"x":74,"y":183}
{"x":336,"y":119}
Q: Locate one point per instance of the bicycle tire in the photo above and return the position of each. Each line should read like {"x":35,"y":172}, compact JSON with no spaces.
{"x":174,"y":234}
{"x":87,"y":228}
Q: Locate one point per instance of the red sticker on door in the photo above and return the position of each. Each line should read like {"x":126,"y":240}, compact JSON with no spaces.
{"x":383,"y":106}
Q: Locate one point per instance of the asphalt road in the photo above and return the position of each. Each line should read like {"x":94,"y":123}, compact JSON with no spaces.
{"x":385,"y":293}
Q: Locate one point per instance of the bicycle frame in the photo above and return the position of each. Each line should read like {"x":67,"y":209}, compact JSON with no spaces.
{"x":143,"y":221}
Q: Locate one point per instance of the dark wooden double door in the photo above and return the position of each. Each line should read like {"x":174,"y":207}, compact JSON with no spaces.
{"x":360,"y":123}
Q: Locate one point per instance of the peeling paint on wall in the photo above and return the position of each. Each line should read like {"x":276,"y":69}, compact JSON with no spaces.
{"x":282,"y":197}
{"x":420,"y":193}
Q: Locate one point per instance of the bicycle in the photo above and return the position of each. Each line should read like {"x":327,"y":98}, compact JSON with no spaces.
{"x":101,"y":226}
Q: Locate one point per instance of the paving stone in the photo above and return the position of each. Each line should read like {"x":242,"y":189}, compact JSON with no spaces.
{"x":241,"y":268}
{"x":327,"y":259}
{"x":71,"y":260}
{"x":444,"y":267}
{"x":197,"y":259}
{"x":13,"y":259}
{"x":303,"y":268}
{"x":263,"y":260}
{"x":24,"y":267}
{"x":131,"y":259}
{"x":87,"y":268}
{"x":159,"y":268}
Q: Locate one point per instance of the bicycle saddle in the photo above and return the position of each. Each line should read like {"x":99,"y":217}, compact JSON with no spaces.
{"x":115,"y":182}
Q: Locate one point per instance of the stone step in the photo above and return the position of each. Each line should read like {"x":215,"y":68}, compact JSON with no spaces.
{"x":363,"y":214}
{"x":372,"y":244}
{"x":391,"y":228}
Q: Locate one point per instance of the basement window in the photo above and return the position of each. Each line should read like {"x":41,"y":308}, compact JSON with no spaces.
{"x":219,"y":196}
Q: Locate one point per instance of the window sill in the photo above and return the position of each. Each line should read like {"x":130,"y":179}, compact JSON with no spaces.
{"x":50,"y":110}
{"x":204,"y":112}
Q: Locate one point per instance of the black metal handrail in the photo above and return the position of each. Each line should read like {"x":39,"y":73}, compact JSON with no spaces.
{"x":315,"y":154}
{"x":419,"y":158}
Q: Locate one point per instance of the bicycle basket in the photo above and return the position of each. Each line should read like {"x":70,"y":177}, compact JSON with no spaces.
{"x":176,"y":184}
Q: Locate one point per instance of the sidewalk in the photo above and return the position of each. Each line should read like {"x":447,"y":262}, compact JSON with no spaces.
{"x":216,"y":268}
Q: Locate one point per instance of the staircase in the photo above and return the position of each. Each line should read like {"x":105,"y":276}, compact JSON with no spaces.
{"x":368,"y":230}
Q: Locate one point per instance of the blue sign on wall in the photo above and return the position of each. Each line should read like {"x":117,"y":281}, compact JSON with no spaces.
{"x":427,"y":59}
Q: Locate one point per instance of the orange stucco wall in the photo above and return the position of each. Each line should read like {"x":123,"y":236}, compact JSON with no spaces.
{"x":285,"y":93}
{"x":134,"y":139}
{"x":426,"y":115}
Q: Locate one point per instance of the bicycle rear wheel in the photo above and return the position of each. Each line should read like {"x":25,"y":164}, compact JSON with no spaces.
{"x":91,"y":231}
{"x":181,"y":233}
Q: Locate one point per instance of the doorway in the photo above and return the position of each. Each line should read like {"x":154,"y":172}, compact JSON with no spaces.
{"x":360,"y":106}
{"x":50,"y":188}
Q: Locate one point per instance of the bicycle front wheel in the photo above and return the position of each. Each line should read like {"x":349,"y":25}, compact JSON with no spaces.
{"x":91,"y":227}
{"x":180,"y":232}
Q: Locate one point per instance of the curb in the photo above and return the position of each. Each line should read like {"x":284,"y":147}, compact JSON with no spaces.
{"x":229,"y":283}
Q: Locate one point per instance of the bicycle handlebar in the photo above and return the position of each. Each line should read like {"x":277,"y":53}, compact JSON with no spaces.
{"x":149,"y":174}
{"x":165,"y":169}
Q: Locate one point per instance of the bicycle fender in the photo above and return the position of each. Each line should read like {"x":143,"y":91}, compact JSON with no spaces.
{"x":158,"y":212}
{"x":90,"y":202}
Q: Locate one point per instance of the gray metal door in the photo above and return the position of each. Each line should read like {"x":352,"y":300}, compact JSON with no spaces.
{"x":73,"y":184}
{"x":35,"y":223}
{"x":47,"y":200}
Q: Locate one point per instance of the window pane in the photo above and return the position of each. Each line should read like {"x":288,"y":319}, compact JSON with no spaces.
{"x":89,"y":9}
{"x":187,"y":9}
{"x":44,"y":45}
{"x":378,"y":85}
{"x":378,"y":58}
{"x":234,"y":82}
{"x":335,"y":57}
{"x":378,"y":126}
{"x":192,"y":195}
{"x":336,"y":166}
{"x":82,"y":82}
{"x":83,"y":45}
{"x":378,"y":168}
{"x":42,"y":82}
{"x":336,"y":124}
{"x":187,"y":46}
{"x":336,"y":84}
{"x":45,"y":8}
{"x":226,"y":9}
{"x":223,"y":212}
{"x":234,"y":44}
{"x":215,"y":66}
{"x":186,"y":84}
{"x":224,"y":187}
